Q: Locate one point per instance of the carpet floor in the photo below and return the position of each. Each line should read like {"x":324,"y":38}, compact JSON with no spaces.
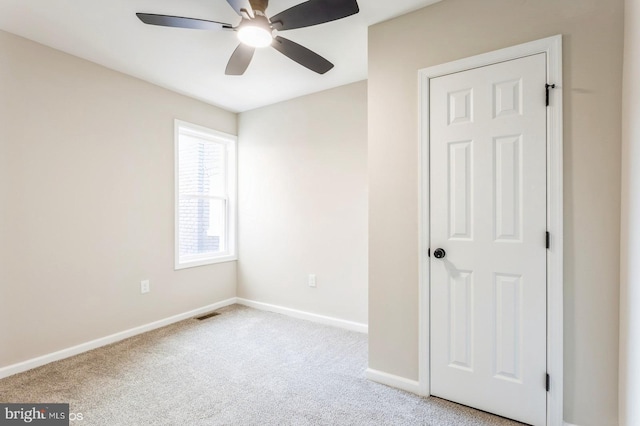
{"x":242,"y":367}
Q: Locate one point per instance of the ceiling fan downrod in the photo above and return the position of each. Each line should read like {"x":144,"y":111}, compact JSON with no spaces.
{"x":259,"y":5}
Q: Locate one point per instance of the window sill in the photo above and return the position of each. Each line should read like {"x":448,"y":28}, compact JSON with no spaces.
{"x":204,"y":262}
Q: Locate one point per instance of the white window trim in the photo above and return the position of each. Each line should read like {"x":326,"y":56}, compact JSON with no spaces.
{"x":230,"y":141}
{"x":552,"y":47}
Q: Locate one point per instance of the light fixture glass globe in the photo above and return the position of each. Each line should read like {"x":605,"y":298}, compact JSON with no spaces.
{"x":255,"y":35}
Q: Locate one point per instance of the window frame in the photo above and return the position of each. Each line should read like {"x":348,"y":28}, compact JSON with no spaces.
{"x":231,"y":167}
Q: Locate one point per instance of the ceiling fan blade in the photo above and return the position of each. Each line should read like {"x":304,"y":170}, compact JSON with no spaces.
{"x":302,"y":55}
{"x":240,"y":60}
{"x":180,"y":22}
{"x":242,"y":5}
{"x":314,"y":12}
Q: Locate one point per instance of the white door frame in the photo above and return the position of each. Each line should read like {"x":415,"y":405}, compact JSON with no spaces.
{"x":552,"y":46}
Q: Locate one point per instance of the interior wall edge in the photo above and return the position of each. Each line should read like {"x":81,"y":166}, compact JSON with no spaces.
{"x":629,"y":369}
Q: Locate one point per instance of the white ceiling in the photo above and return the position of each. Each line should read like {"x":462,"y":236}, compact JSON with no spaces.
{"x":192,"y":62}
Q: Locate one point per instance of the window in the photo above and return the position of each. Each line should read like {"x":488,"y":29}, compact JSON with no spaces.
{"x":205,"y":180}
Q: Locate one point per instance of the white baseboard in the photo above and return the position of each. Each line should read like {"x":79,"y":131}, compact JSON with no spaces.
{"x":321,"y":319}
{"x":103,"y":341}
{"x":398,"y":382}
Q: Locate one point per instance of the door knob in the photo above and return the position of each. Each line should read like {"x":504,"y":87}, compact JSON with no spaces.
{"x":439,"y":253}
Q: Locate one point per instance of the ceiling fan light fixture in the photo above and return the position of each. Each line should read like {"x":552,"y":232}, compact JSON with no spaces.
{"x":256,"y":33}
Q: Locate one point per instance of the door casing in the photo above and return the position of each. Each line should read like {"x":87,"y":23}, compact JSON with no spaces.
{"x":552,"y":47}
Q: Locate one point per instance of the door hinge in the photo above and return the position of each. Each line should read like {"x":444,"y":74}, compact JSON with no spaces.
{"x":547,"y":88}
{"x":548,"y":240}
{"x":548,"y":385}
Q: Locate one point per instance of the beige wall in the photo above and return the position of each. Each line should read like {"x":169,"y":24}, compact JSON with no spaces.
{"x":303,"y":203}
{"x":455,"y":29}
{"x":630,"y":226}
{"x":86,"y":199}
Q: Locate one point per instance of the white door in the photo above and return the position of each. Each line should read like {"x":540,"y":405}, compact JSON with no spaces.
{"x":488,"y":214}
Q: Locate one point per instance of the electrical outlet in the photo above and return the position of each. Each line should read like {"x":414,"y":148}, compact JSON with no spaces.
{"x":144,"y":287}
{"x":312,"y":280}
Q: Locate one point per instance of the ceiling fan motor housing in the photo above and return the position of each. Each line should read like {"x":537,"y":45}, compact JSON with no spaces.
{"x":260,"y":5}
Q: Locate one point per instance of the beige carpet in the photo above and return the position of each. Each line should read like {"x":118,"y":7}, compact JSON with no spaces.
{"x":243,"y":367}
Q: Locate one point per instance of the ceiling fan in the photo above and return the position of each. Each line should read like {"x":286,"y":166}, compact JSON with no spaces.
{"x":257,"y":30}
